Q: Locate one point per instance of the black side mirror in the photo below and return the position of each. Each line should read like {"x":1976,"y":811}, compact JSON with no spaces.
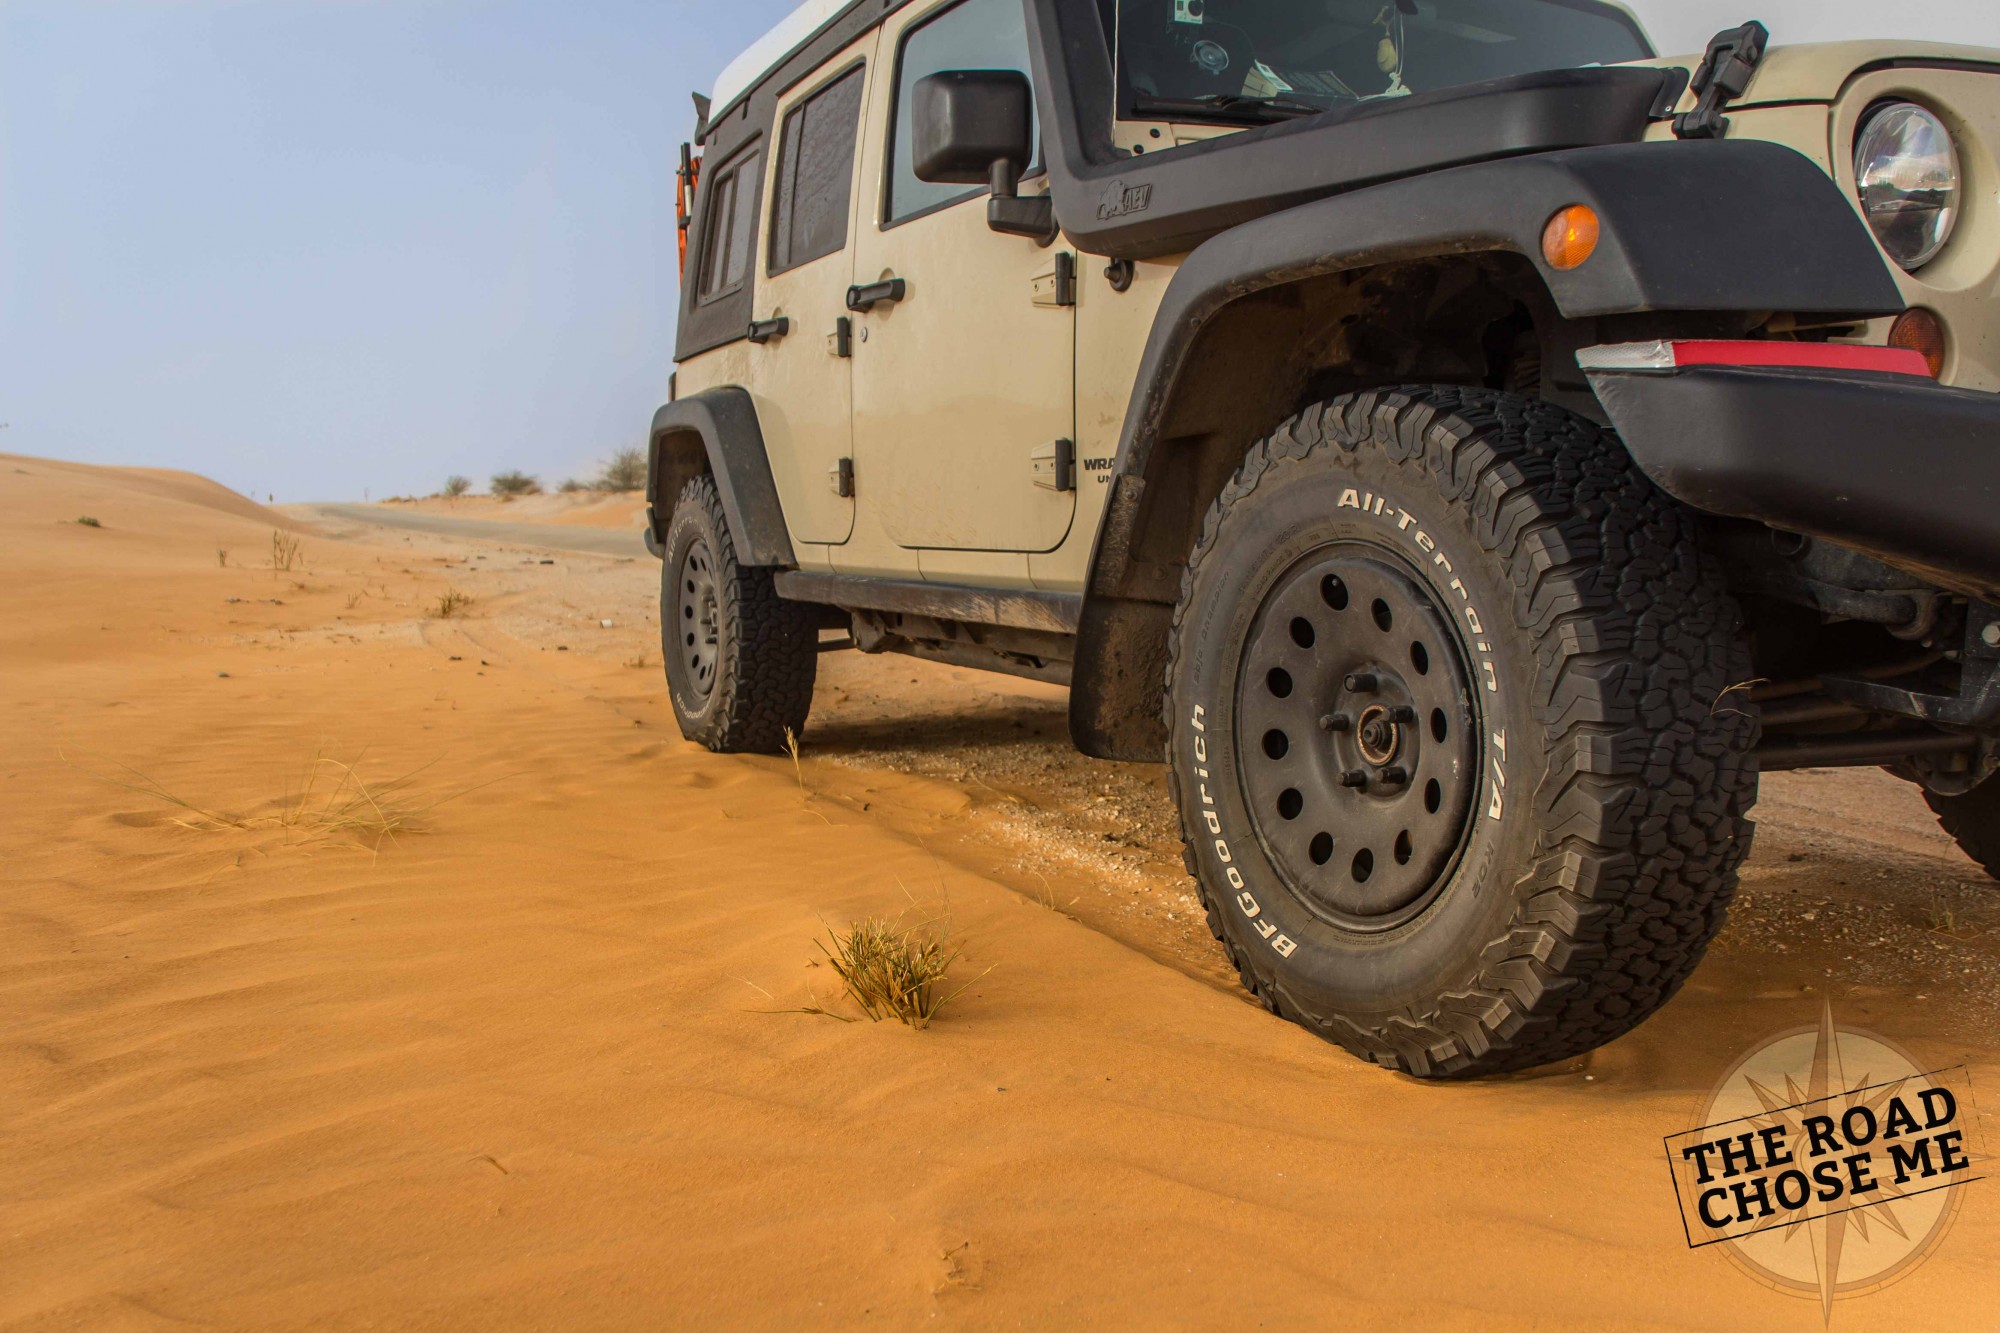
{"x":977,"y":127}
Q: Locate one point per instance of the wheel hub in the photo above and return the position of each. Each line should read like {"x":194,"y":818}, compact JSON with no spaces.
{"x":1378,"y":737}
{"x":699,"y":615}
{"x":1358,"y":736}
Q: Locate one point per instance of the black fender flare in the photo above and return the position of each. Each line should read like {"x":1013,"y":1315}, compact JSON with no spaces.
{"x":1698,"y":226}
{"x":716,"y":431}
{"x":1735,"y":225}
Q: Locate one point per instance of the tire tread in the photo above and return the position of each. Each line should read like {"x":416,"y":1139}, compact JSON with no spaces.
{"x":770,"y":658}
{"x":1642,"y":822}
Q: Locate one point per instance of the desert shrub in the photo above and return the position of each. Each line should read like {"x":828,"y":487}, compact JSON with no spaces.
{"x":571,"y":486}
{"x":451,"y":605}
{"x":515,"y":483}
{"x":287,"y":553}
{"x":455,"y":486}
{"x":625,"y":472}
{"x":89,"y":522}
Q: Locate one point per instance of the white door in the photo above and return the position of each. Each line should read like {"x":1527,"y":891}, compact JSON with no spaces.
{"x":965,"y":386}
{"x":803,"y":378}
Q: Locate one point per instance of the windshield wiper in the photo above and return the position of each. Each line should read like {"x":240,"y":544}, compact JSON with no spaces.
{"x":1266,"y":109}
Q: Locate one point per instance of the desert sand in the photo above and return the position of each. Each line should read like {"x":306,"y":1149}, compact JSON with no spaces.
{"x":525,"y":1061}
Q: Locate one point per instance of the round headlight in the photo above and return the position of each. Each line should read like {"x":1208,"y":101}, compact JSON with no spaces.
{"x":1906,"y":171}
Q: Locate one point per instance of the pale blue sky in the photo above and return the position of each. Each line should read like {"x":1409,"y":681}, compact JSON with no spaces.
{"x":309,"y":247}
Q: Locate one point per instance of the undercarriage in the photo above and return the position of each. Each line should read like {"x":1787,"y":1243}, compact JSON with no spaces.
{"x":1860,"y":663}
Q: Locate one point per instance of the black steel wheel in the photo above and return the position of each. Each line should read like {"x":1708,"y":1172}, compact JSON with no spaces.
{"x":699,"y":624}
{"x":740,"y":659}
{"x":1355,"y":692}
{"x":1442,"y":734}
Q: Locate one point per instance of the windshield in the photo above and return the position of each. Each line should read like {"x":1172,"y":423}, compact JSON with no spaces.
{"x":1250,"y":61}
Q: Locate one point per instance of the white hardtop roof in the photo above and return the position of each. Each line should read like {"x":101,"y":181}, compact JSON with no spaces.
{"x":742,"y":73}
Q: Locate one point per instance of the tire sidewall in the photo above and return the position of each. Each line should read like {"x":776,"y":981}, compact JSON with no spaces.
{"x":1322,"y":971}
{"x":691,"y":523}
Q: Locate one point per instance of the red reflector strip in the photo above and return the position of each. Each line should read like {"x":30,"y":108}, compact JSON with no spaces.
{"x":1754,"y":355}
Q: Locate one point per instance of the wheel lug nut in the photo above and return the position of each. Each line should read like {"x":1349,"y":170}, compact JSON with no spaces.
{"x":1336,"y":722}
{"x":1402,"y":713}
{"x":1396,"y":777}
{"x":1354,"y":777}
{"x":1362,"y":682}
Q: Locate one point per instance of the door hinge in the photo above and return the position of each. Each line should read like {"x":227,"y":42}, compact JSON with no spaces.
{"x":1053,"y":465}
{"x":1056,"y":286}
{"x":841,"y":477}
{"x":841,"y":341}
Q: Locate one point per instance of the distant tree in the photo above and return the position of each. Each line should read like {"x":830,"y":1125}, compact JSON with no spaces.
{"x":507,"y":484}
{"x":455,"y":486}
{"x":626,"y":471}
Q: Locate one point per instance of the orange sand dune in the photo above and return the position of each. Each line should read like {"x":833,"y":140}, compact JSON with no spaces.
{"x":516,"y":1066}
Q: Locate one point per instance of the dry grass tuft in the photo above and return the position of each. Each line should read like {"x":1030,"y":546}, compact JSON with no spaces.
{"x":1046,"y":897}
{"x":451,"y":605}
{"x":222,"y":557}
{"x":287,"y":552}
{"x":792,"y":748}
{"x":1940,"y":916}
{"x":329,"y":800}
{"x":894,"y":971}
{"x":89,"y":522}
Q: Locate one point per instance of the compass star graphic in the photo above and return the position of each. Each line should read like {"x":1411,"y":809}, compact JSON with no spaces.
{"x":1856,"y":1242}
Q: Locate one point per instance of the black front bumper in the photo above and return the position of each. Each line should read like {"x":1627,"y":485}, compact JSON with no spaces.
{"x":1899,"y":467}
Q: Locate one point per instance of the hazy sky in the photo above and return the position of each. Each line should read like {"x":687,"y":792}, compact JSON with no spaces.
{"x":312,"y":247}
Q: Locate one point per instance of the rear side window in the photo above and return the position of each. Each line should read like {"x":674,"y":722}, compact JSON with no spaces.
{"x":815,"y":182}
{"x":976,"y":34}
{"x":730,"y":228}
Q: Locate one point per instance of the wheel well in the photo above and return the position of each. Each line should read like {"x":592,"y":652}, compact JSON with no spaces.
{"x":1481,"y":320}
{"x":676,"y":458}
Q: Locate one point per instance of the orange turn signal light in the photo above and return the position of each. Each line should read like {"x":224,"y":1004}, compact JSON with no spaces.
{"x":1921,"y":331}
{"x":1570,"y":238}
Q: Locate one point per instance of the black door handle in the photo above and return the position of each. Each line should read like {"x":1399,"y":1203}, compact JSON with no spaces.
{"x":766,"y":330}
{"x":870,"y":294}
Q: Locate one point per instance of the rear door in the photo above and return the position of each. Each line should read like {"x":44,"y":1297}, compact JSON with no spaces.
{"x":803,"y":376}
{"x":965,"y":389}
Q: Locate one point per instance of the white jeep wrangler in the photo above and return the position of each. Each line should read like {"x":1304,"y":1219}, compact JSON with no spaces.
{"x":1466,"y":446}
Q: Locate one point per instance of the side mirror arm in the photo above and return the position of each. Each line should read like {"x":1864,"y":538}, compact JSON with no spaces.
{"x":1008,"y":212}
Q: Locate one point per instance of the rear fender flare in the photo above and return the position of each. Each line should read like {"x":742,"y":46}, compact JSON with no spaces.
{"x":716,"y":432}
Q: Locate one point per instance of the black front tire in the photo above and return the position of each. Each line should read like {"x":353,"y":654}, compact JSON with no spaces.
{"x":740,"y":659}
{"x":1973,"y":820}
{"x":1533,"y":848}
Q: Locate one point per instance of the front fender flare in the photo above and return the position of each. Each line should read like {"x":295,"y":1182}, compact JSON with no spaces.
{"x":1736,"y":225}
{"x":1698,"y":226}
